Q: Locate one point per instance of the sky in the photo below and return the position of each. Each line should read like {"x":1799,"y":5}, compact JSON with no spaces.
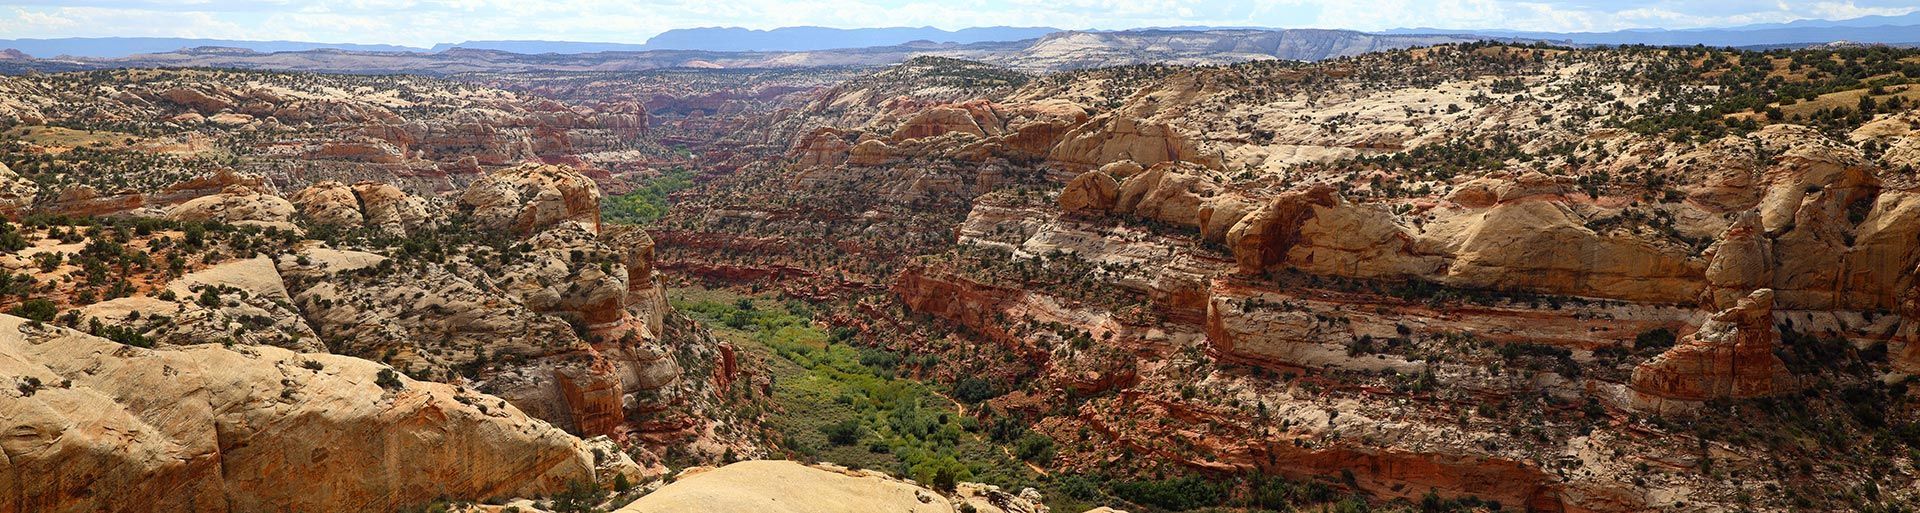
{"x":426,"y":22}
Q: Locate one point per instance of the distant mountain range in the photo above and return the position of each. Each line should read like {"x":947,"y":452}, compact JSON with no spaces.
{"x":110,"y":47}
{"x":716,"y":39}
{"x":1056,"y":51}
{"x":1025,"y":48}
{"x":792,"y":39}
{"x":1868,"y":29}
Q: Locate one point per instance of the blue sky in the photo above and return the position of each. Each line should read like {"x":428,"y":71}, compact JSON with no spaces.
{"x":425,"y":22}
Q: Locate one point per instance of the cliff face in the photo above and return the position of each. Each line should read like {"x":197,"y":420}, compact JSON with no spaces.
{"x":99,"y":426}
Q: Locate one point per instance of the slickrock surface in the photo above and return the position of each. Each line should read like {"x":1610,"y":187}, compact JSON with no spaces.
{"x":99,"y":426}
{"x":771,"y":486}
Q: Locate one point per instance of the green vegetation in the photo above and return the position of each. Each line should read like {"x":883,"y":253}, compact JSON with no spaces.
{"x":1177,"y":494}
{"x":388,"y":379}
{"x":36,"y":309}
{"x":1654,"y":340}
{"x":647,"y":203}
{"x":850,"y":405}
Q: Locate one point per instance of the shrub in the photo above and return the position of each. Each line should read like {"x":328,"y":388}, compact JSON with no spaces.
{"x":580,"y":497}
{"x":845,"y":432}
{"x":36,"y":309}
{"x":1657,"y":339}
{"x":388,"y":379}
{"x":124,"y":335}
{"x":973,"y":390}
{"x":1177,"y":494}
{"x":1035,"y":448}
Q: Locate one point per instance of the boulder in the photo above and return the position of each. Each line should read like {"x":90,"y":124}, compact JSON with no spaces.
{"x":1091,"y":191}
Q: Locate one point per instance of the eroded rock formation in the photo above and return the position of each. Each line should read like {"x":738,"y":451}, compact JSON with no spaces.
{"x":527,"y":199}
{"x":1731,"y":356}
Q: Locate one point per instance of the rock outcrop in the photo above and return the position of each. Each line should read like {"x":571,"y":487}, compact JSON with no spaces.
{"x":976,"y":119}
{"x":1731,"y":356}
{"x":362,"y":204}
{"x":1739,"y":263}
{"x":529,"y":198}
{"x":98,"y":426}
{"x":1266,"y":236}
{"x":235,"y":204}
{"x":16,"y":193}
{"x":1112,"y":138}
{"x":1091,"y":191}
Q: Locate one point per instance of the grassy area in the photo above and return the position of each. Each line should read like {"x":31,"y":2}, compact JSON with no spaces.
{"x":850,"y":405}
{"x":647,"y":203}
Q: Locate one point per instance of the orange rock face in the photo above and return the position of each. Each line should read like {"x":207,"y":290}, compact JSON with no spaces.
{"x":1730,"y":357}
{"x":976,"y":119}
{"x":1265,"y":237}
{"x":1092,"y":191}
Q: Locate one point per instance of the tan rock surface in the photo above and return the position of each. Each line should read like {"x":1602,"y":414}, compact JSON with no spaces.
{"x":362,"y":204}
{"x":775,"y":486}
{"x":234,"y":204}
{"x":529,"y":198}
{"x":16,"y":193}
{"x":1111,"y":138}
{"x":329,"y":202}
{"x":205,"y":428}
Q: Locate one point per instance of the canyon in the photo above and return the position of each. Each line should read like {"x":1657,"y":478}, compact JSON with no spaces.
{"x":1461,"y":276}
